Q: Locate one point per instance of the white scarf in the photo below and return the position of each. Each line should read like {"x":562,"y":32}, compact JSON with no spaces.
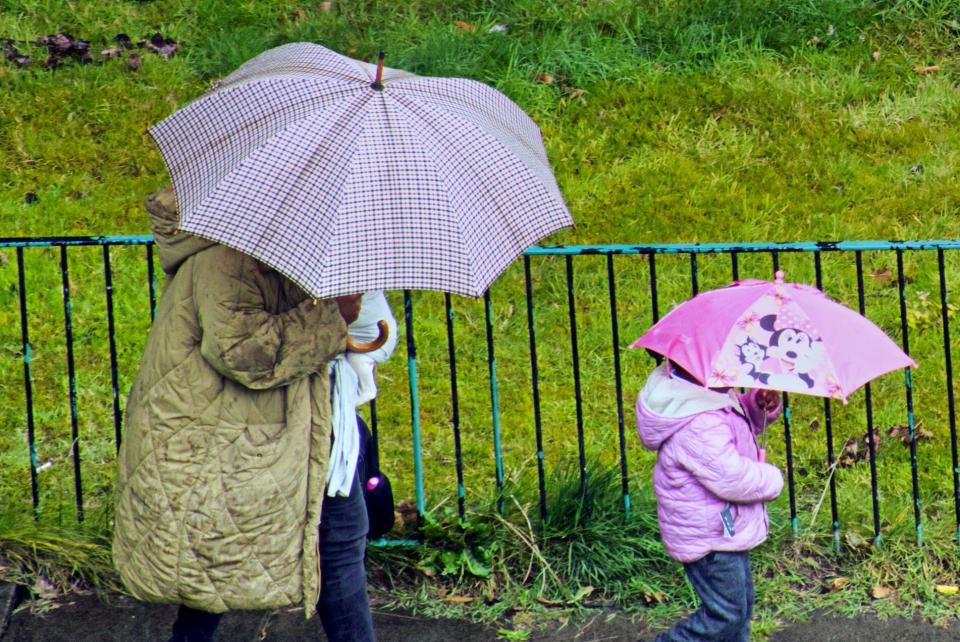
{"x":346,"y":435}
{"x":353,"y":384}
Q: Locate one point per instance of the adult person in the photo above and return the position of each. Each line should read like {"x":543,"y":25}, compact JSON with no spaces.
{"x":220,"y":501}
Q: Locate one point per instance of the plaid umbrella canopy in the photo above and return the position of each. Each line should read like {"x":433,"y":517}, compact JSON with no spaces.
{"x":351,"y":177}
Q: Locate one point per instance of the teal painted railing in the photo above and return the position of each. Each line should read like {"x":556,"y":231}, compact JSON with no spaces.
{"x":647,"y":257}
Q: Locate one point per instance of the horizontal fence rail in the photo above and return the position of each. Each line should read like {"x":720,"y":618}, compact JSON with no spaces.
{"x":544,"y":387}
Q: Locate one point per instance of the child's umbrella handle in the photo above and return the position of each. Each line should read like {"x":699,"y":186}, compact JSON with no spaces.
{"x":376,"y":344}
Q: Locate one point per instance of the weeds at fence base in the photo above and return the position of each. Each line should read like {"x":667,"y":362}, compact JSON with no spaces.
{"x":52,"y":561}
{"x":586,"y":556}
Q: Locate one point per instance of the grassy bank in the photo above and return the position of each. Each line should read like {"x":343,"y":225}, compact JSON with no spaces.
{"x":665,"y":122}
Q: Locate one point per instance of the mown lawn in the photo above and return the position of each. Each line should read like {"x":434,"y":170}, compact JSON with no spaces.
{"x":665,"y":122}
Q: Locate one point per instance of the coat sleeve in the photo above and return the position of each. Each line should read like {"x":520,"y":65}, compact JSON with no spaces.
{"x":759,"y":423}
{"x":706,"y":449}
{"x":244,"y":341}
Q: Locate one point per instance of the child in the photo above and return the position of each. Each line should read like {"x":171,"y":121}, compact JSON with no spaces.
{"x":711,"y":484}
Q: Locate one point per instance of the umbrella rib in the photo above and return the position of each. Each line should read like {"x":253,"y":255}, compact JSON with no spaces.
{"x":424,"y":91}
{"x":417,"y":110}
{"x":348,"y":153}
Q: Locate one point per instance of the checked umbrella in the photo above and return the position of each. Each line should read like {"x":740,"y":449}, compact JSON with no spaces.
{"x":351,"y":177}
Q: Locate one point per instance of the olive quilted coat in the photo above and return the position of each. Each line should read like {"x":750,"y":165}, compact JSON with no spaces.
{"x":227,"y":433}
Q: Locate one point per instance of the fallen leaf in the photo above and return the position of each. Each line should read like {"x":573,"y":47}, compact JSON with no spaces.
{"x":815,"y":424}
{"x":582,"y":593}
{"x":44,"y":589}
{"x":161,"y":46}
{"x":107,"y":54}
{"x":325,"y":6}
{"x":546,"y":79}
{"x":926,"y":69}
{"x":876,"y":439}
{"x":946,"y":589}
{"x":882,"y":275}
{"x":460,"y":599}
{"x":14,"y":56}
{"x":123,"y":40}
{"x":881,"y":592}
{"x":837,"y":583}
{"x":856,"y":541}
{"x":657,"y":597}
{"x":549,"y":602}
{"x":134,"y":61}
{"x":902,"y":432}
{"x":813,"y":41}
{"x":465,"y":26}
{"x":876,"y":55}
{"x":850,"y":447}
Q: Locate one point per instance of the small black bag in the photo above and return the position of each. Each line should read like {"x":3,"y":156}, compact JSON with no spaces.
{"x":376,"y":485}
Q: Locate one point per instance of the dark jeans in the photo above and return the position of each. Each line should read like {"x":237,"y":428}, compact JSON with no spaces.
{"x":343,"y":607}
{"x":725,"y":588}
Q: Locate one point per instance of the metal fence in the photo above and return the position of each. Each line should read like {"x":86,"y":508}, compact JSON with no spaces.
{"x":653,"y":274}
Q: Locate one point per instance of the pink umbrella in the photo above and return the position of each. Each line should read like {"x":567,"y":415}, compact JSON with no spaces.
{"x":774,"y":335}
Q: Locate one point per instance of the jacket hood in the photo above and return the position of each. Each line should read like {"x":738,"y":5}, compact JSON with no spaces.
{"x":666,"y":404}
{"x":173,"y":247}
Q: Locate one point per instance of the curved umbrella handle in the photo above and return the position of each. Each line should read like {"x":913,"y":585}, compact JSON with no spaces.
{"x":376,"y":344}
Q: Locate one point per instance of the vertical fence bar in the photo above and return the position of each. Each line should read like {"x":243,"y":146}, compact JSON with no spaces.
{"x":615,"y":338}
{"x":871,"y":441}
{"x":455,"y":405}
{"x":575,"y":356}
{"x":535,"y":383}
{"x":414,"y":404}
{"x":152,"y":281}
{"x":828,"y":431}
{"x":734,"y":266}
{"x":908,"y":385}
{"x":111,"y":336}
{"x":948,"y":368}
{"x":787,"y":439}
{"x":694,"y":278}
{"x":71,"y":380}
{"x":494,"y":399}
{"x":27,"y":380}
{"x":654,"y":304}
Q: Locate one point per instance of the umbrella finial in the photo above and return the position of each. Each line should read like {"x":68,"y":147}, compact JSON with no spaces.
{"x":377,"y":85}
{"x":778,"y":277}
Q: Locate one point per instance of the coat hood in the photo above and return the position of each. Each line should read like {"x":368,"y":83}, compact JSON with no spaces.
{"x":666,"y":404}
{"x":173,"y":247}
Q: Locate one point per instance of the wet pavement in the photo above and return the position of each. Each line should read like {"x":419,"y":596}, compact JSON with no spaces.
{"x":87,"y":618}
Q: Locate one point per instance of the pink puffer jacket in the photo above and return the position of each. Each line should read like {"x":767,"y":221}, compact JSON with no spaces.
{"x":708,"y":459}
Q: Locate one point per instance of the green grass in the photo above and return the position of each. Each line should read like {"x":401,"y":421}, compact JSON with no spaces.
{"x":707,"y":121}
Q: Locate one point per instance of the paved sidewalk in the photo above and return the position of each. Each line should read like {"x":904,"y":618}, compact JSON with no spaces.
{"x":84,"y":618}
